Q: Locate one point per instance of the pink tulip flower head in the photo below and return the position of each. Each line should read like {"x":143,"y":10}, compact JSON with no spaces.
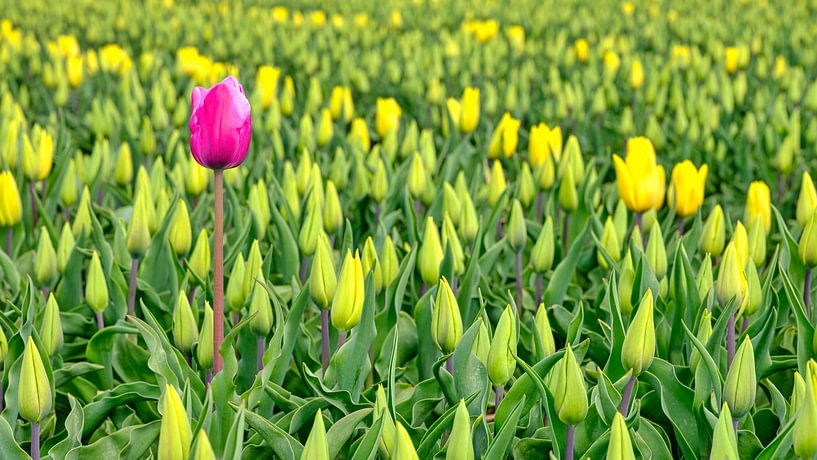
{"x":220,"y":125}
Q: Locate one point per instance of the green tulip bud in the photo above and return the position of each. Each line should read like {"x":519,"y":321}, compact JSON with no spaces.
{"x":657,"y":252}
{"x":451,"y":241}
{"x":568,"y":194}
{"x":417,"y":177}
{"x":446,"y":322}
{"x":204,"y":451}
{"x":798,"y":395}
{"x":741,"y":381}
{"x":724,"y":439}
{"x":807,"y":200}
{"x":304,"y":172}
{"x":501,"y":362}
{"x":45,"y":262}
{"x":235,"y":285}
{"x":460,"y":446}
{"x":50,"y":329}
{"x":184,"y":324}
{"x":311,"y":227}
{"x":199,"y":262}
{"x":497,"y":184}
{"x":322,"y":279}
{"x":482,"y":344}
{"x":371,"y":263}
{"x":610,"y":242}
{"x":804,"y":437}
{"x":757,"y":242}
{"x":34,"y":391}
{"x":713,"y":236}
{"x":451,"y":203}
{"x":69,"y":187}
{"x":625,"y":284}
{"x":703,"y":334}
{"x":431,"y":253}
{"x":541,"y":256}
{"x":638,"y":349}
{"x":260,"y":307}
{"x":469,"y":222}
{"x":403,"y":446}
{"x":544,"y":331}
{"x":259,"y":206}
{"x":175,"y":434}
{"x":138,"y":237}
{"x":179,"y":232}
{"x":316,"y":447}
{"x":387,"y":436}
{"x":389,"y":264}
{"x":291,"y":195}
{"x":754,"y":292}
{"x":254,"y":263}
{"x":380,"y":182}
{"x":526,"y":186}
{"x":332,"y":210}
{"x":704,"y":280}
{"x":517,"y":231}
{"x":570,"y":394}
{"x":620,"y":218}
{"x":731,"y":281}
{"x":96,"y":286}
{"x":82,"y":221}
{"x":347,"y":305}
{"x":65,"y":247}
{"x":123,"y":168}
{"x":204,"y":351}
{"x":807,"y":249}
{"x":620,"y":446}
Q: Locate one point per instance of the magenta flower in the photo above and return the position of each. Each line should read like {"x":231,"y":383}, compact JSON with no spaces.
{"x":220,"y":125}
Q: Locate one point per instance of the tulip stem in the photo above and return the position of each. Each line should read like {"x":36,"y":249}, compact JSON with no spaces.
{"x":324,"y":339}
{"x":341,"y":338}
{"x":376,"y":214}
{"x":681,"y":227}
{"x":32,"y":194}
{"x":304,"y":269}
{"x":9,"y":235}
{"x":538,"y":289}
{"x":745,"y":325}
{"x":566,"y":233}
{"x":569,"y":440}
{"x":540,"y":202}
{"x":418,"y":207}
{"x":100,"y":321}
{"x":730,"y":341}
{"x":2,"y":394}
{"x":236,"y":317}
{"x":807,"y":293}
{"x":35,"y":441}
{"x":455,"y":285}
{"x":627,"y":396}
{"x":500,"y":395}
{"x":449,"y":365}
{"x":134,"y":267}
{"x":218,"y":271}
{"x":261,"y":343}
{"x":735,"y":424}
{"x":519,"y":282}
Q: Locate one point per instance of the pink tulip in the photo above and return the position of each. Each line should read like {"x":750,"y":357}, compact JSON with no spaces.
{"x":220,"y":125}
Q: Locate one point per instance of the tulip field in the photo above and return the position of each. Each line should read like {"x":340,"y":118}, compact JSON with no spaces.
{"x":416,"y":229}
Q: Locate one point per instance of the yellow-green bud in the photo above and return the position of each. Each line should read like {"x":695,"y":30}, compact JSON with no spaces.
{"x":389,"y":264}
{"x":310,"y":229}
{"x":4,"y":345}
{"x":138,"y":237}
{"x":757,"y":242}
{"x":541,"y":256}
{"x":260,"y":307}
{"x":482,"y":344}
{"x":403,"y":446}
{"x":235,"y":285}
{"x":451,"y":203}
{"x":620,"y":218}
{"x":322,"y":279}
{"x":315,"y":191}
{"x":51,"y":328}
{"x":798,"y":395}
{"x":380,"y":182}
{"x":175,"y":434}
{"x":754,"y":292}
{"x":316,"y":447}
{"x":703,"y":334}
{"x":569,"y":392}
{"x":304,"y":171}
{"x":417,"y":177}
{"x":517,"y":230}
{"x":179,"y":233}
{"x":620,"y":446}
{"x":731,"y":281}
{"x":45,"y":262}
{"x":65,"y":247}
{"x":546,"y":173}
{"x":724,"y":439}
{"x":325,"y":128}
{"x":807,"y":249}
{"x":657,"y":251}
{"x":259,"y":206}
{"x":497,"y":184}
{"x":713,"y":236}
{"x":184,"y":324}
{"x":452,"y":241}
{"x":807,"y":200}
{"x":82,"y":221}
{"x":199,"y":262}
{"x":610,"y":242}
{"x":290,"y":185}
{"x":204,"y":350}
{"x":468,"y":220}
{"x":69,"y":187}
{"x":571,"y":160}
{"x":704,"y":280}
{"x":347,"y":305}
{"x":460,"y":446}
{"x":204,"y":451}
{"x":371,"y":263}
{"x":446,"y":322}
{"x":804,"y":437}
{"x":526,"y":186}
{"x":123,"y":168}
{"x":34,"y":391}
{"x":332,"y":210}
{"x":638,"y":349}
{"x":568,"y":194}
{"x":625,"y":284}
{"x":501,"y":361}
{"x":254,"y":263}
{"x":741,"y":380}
{"x":96,"y":286}
{"x":431,"y":253}
{"x":386,"y":443}
{"x":544,"y":331}
{"x":741,"y":240}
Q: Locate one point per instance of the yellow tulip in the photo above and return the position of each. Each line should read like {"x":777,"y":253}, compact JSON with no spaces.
{"x":636,"y":75}
{"x":731,"y":59}
{"x":686,"y":191}
{"x":388,"y":116}
{"x":465,"y":112}
{"x":505,"y":137}
{"x":640,"y":181}
{"x":758,"y":203}
{"x":266,"y":84}
{"x":11,"y":207}
{"x":582,"y":50}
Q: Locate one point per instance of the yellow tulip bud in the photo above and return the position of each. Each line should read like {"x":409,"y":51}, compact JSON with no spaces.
{"x":204,"y":451}
{"x":501,"y":362}
{"x":403,"y":446}
{"x":371,"y":263}
{"x":446,"y":322}
{"x":636,"y":75}
{"x":611,"y":243}
{"x":460,"y":444}
{"x":199,"y":261}
{"x":758,"y":203}
{"x":380,"y":182}
{"x":65,"y":247}
{"x":568,"y":193}
{"x":569,"y":392}
{"x":185,"y":329}
{"x":235,"y":285}
{"x":741,"y":381}
{"x":69,"y":187}
{"x":807,"y":249}
{"x":713,"y":236}
{"x":497,"y":184}
{"x":757,"y":242}
{"x":417,"y":177}
{"x":657,"y":251}
{"x":45,"y":261}
{"x":347,"y":305}
{"x":179,"y":233}
{"x":254,"y":263}
{"x":96,"y":285}
{"x":388,"y":114}
{"x":204,"y":351}
{"x":625,"y":284}
{"x":703,"y":334}
{"x":175,"y":434}
{"x":620,"y":446}
{"x":11,"y":207}
{"x":527,"y":187}
{"x":451,"y":241}
{"x":51,"y":328}
{"x":741,"y":240}
{"x":34,"y":391}
{"x":517,"y":230}
{"x":387,"y":436}
{"x":803,"y":436}
{"x":686,"y":191}
{"x":724,"y":439}
{"x":431,"y":253}
{"x":322,"y":280}
{"x":544,"y":331}
{"x":731,"y":281}
{"x":82,"y":221}
{"x":638,"y":349}
{"x":332,"y":210}
{"x":316,"y":447}
{"x":138,"y":236}
{"x":260,"y":307}
{"x":807,"y":200}
{"x":123,"y":168}
{"x":325,"y":128}
{"x":468,"y":220}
